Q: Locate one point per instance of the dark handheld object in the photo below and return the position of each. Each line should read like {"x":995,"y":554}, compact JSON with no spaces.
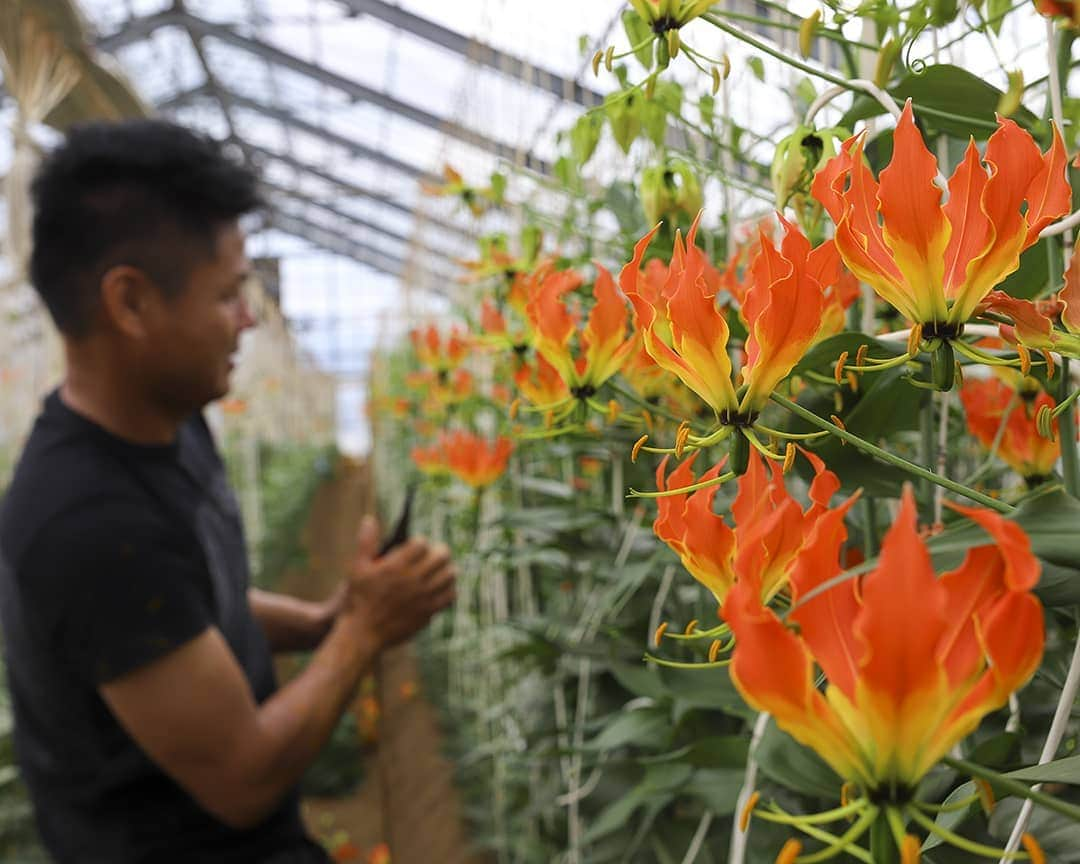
{"x":401,"y":529}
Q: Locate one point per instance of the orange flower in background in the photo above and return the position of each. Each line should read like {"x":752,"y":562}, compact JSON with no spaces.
{"x":430,"y":460}
{"x":475,"y":460}
{"x":687,"y":333}
{"x":379,"y":854}
{"x":602,"y":346}
{"x":540,"y":383}
{"x":439,"y":353}
{"x":769,"y":525}
{"x":913,"y":661}
{"x":935,"y":263}
{"x":1021,"y":447}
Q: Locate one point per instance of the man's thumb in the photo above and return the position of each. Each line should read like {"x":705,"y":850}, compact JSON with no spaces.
{"x":367,"y":543}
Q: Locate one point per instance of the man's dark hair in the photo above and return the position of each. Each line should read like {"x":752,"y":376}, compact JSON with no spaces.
{"x":144,"y":193}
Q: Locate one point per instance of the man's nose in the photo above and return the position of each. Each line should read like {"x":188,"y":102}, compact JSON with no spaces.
{"x":246,"y":319}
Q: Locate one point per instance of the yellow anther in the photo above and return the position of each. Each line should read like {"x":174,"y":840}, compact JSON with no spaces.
{"x":680,"y":439}
{"x":690,"y":627}
{"x":807,"y":31}
{"x":1025,"y":359}
{"x":846,"y":792}
{"x":515,"y":406}
{"x":714,"y":650}
{"x":1050,"y":367}
{"x":790,"y":852}
{"x":853,"y":382}
{"x":1032,"y":847}
{"x":837,"y":422}
{"x":910,"y":850}
{"x":726,"y":61}
{"x":613,"y":409}
{"x":748,"y":811}
{"x":914,"y":339}
{"x":609,"y":57}
{"x":659,"y":634}
{"x":838,"y":400}
{"x":789,"y":457}
{"x":838,"y":370}
{"x":986,"y":795}
{"x":673,"y":42}
{"x":637,"y":447}
{"x":549,"y":419}
{"x":860,"y":355}
{"x":596,"y":60}
{"x":715,"y":80}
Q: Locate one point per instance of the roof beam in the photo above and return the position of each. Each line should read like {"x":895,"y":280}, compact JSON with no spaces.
{"x":477,"y":52}
{"x":356,"y":221}
{"x":360,"y":151}
{"x":347,"y":247}
{"x":354,"y":191}
{"x":353,"y":89}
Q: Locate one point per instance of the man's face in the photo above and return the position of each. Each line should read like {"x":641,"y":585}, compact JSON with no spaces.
{"x":197,"y":333}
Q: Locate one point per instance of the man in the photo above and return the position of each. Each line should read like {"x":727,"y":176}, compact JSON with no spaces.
{"x":148,"y":722}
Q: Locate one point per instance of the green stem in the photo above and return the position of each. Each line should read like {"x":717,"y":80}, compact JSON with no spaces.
{"x":871,"y":537}
{"x":882,"y":843}
{"x":1013,"y":787}
{"x":890,"y":458}
{"x":928,"y":456}
{"x":1070,"y":460}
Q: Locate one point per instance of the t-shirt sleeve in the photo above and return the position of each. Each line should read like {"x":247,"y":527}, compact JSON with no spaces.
{"x":113,"y":587}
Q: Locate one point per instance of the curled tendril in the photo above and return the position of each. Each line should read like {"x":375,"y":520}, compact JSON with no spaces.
{"x":917,"y":65}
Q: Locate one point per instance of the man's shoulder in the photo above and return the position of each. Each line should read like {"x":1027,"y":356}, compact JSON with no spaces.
{"x":62,"y":470}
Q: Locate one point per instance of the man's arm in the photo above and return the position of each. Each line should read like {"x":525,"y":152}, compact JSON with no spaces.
{"x":193,"y":712}
{"x":292,"y":624}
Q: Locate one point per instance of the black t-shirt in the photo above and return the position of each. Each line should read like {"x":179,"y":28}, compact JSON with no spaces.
{"x":111,"y":555}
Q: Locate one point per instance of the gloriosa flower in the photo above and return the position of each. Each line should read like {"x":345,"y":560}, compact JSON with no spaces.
{"x":913,"y":661}
{"x":1021,"y":447}
{"x":686,"y":332}
{"x":602,"y":345}
{"x":436,"y":352}
{"x":662,"y":15}
{"x":1066,"y":9}
{"x":473,"y":459}
{"x":540,"y":383}
{"x":935,"y":263}
{"x":769,"y":525}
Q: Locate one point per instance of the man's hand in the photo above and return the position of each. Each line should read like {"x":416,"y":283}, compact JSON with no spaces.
{"x":393,"y":596}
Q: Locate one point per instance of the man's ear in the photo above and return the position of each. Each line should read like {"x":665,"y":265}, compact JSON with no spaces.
{"x":129,"y":299}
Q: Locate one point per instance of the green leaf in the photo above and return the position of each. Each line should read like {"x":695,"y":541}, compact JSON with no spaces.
{"x":624,"y":117}
{"x":757,"y":66}
{"x":952,"y":820}
{"x":641,"y":680}
{"x":995,"y":14}
{"x":719,"y":789}
{"x":959,"y":94}
{"x":657,"y":787}
{"x":707,"y":109}
{"x":1065,"y":770}
{"x":644,"y":727}
{"x":584,"y":136}
{"x":786,"y":761}
{"x":638,"y":32}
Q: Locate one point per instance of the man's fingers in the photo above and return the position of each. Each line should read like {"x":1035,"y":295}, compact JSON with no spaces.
{"x":437,"y":558}
{"x":367,"y":540}
{"x":406,"y":555}
{"x":444,"y":597}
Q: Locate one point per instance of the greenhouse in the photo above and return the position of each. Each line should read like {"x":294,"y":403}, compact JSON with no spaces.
{"x":569,"y":433}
